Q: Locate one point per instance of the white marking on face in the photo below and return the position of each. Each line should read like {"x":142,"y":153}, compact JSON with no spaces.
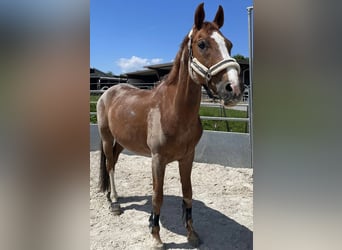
{"x":222,"y":45}
{"x":233,"y":76}
{"x":232,"y":72}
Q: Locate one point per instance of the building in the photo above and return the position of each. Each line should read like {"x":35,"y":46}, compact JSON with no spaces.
{"x":148,"y":78}
{"x":102,"y":81}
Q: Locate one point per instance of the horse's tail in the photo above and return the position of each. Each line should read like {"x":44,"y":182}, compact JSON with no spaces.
{"x":104,"y":176}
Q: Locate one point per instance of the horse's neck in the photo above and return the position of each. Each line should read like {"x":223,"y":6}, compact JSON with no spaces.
{"x":182,"y":96}
{"x":187,"y":98}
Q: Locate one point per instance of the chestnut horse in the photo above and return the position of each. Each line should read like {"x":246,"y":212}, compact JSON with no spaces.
{"x":163,"y":123}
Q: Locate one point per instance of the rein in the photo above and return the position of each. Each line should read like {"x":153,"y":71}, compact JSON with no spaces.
{"x":208,"y":73}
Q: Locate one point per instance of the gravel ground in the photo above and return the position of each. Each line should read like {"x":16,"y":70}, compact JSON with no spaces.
{"x":222,"y":206}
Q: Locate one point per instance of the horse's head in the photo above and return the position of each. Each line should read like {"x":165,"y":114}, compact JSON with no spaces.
{"x":210,"y":63}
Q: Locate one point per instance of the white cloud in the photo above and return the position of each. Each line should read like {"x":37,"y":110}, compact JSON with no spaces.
{"x":135,"y":63}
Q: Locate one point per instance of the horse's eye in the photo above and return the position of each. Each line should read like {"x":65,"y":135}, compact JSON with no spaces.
{"x":201,"y":44}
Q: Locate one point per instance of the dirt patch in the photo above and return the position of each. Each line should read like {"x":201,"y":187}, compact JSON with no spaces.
{"x":222,"y":206}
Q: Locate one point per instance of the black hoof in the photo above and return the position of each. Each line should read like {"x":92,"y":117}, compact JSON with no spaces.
{"x":115,"y":208}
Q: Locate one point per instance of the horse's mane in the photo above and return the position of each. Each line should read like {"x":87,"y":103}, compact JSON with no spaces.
{"x":172,"y":77}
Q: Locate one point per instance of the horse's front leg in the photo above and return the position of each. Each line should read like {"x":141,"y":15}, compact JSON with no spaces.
{"x":158,"y":172}
{"x":185,"y":166}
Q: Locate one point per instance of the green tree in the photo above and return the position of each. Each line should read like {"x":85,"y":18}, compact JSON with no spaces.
{"x":240,"y":57}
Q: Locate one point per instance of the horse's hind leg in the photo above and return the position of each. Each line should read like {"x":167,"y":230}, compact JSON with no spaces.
{"x":114,"y":151}
{"x":110,"y":156}
{"x":117,"y":149}
{"x":185,"y":167}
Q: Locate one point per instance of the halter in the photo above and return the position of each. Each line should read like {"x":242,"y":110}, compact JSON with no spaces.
{"x":203,"y":71}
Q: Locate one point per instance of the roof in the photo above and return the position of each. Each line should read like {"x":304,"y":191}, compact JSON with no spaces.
{"x":97,"y":73}
{"x":164,"y":66}
{"x":146,"y":72}
{"x":160,"y":70}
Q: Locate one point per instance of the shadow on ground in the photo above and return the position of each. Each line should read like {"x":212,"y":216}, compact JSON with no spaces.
{"x":216,"y":230}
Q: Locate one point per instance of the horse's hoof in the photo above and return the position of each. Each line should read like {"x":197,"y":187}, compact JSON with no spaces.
{"x":115,"y":208}
{"x":108,"y":197}
{"x":193,"y":239}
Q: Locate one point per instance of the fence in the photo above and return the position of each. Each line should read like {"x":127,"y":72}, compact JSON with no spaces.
{"x":241,"y":106}
{"x":225,"y":148}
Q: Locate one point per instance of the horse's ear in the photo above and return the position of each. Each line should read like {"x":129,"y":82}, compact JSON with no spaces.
{"x":219,"y":18}
{"x":199,"y":16}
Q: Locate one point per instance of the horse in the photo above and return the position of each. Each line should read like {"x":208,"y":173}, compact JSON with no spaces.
{"x":163,"y":123}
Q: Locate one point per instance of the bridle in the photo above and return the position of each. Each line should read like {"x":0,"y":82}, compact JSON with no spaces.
{"x":208,"y":73}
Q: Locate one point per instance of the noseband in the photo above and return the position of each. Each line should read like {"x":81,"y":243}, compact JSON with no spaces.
{"x":208,"y":73}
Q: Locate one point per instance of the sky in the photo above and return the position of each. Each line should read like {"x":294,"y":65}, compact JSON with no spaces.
{"x":127,"y":35}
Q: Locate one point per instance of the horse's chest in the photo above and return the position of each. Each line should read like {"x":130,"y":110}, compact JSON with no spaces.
{"x":155,"y":133}
{"x":173,"y":137}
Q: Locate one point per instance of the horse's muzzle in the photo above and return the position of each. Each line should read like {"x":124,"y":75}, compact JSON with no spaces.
{"x":230,"y":93}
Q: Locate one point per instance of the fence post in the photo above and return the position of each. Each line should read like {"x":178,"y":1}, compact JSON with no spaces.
{"x":250,"y":93}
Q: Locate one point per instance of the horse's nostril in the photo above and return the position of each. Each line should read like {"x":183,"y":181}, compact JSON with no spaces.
{"x":229,"y":88}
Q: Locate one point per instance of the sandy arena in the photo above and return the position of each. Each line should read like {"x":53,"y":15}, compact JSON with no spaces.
{"x":222,"y":206}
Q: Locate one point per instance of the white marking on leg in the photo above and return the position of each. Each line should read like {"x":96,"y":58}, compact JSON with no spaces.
{"x":232,"y":72}
{"x":113,"y":194}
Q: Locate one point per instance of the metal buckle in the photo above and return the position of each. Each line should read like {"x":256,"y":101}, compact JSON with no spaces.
{"x":208,"y":76}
